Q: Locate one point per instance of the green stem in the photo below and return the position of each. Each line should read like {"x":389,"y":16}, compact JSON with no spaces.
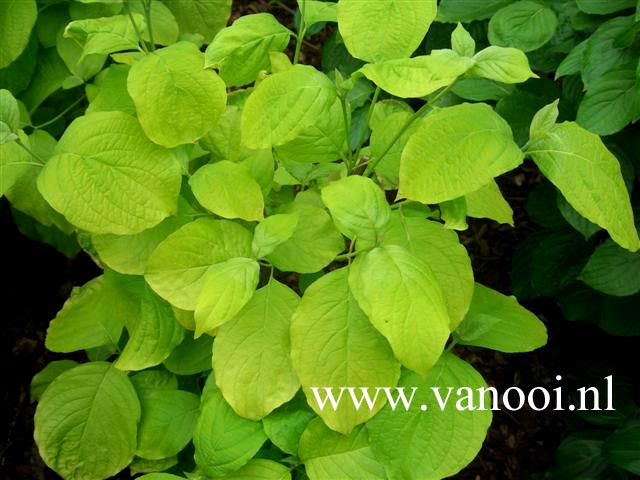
{"x":347,"y":129}
{"x":135,"y":26}
{"x":348,"y":256}
{"x":301,"y":33}
{"x":60,"y":115}
{"x":147,"y":16}
{"x":374,"y":100}
{"x":453,"y":343}
{"x":345,"y":257}
{"x":371,"y":167}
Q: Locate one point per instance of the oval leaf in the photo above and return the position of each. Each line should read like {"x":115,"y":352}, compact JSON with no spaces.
{"x":176,"y":99}
{"x":86,"y":421}
{"x":251,"y":354}
{"x":333,"y":345}
{"x":106,"y":177}
{"x":468,"y":146}
{"x":404,"y":301}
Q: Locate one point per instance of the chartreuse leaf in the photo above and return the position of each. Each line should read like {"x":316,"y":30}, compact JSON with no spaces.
{"x":488,"y":202}
{"x":176,"y":99}
{"x":462,"y":42}
{"x":313,"y":245}
{"x":24,"y":194}
{"x":163,"y":23}
{"x":224,"y":441}
{"x":15,"y":161}
{"x":241,"y":51}
{"x":526,"y":25}
{"x":435,"y":443}
{"x":382,"y":135}
{"x":107,"y":177}
{"x":251,"y":353}
{"x":177,"y":268}
{"x":105,"y":35}
{"x":18,"y":74}
{"x":545,"y":119}
{"x":9,"y":113}
{"x":17,"y":18}
{"x":227,"y":287}
{"x":333,"y":345}
{"x":93,"y":316}
{"x":228,"y":190}
{"x":358,"y":207}
{"x":130,"y":253}
{"x":153,"y":333}
{"x":48,"y":374}
{"x":167,"y":423}
{"x":613,"y":270}
{"x":328,"y":455}
{"x":505,"y":65}
{"x":273,"y":231}
{"x":142,"y":465}
{"x":318,"y":11}
{"x":498,"y":322}
{"x":404,"y":301}
{"x":204,"y":17}
{"x":156,"y":379}
{"x":108,"y":92}
{"x":285,"y":425}
{"x":259,"y":469}
{"x":323,"y":141}
{"x":223,"y":141}
{"x":302,"y":91}
{"x":454,"y":214}
{"x":191,"y":356}
{"x":418,"y":76}
{"x":442,"y":251}
{"x":468,"y":146}
{"x":588,"y":175}
{"x":385,"y":29}
{"x":86,"y":421}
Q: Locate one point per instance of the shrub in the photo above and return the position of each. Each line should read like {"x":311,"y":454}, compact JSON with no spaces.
{"x":299,"y":223}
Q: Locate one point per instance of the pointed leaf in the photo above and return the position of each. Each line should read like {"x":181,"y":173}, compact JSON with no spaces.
{"x":107,"y":177}
{"x":498,"y":322}
{"x":435,"y":443}
{"x":228,"y":190}
{"x":333,"y":345}
{"x":251,"y":354}
{"x":404,"y":301}
{"x":589,"y":177}
{"x":227,"y":287}
{"x":177,"y":268}
{"x":73,"y":439}
{"x":418,"y":76}
{"x":468,"y":146}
